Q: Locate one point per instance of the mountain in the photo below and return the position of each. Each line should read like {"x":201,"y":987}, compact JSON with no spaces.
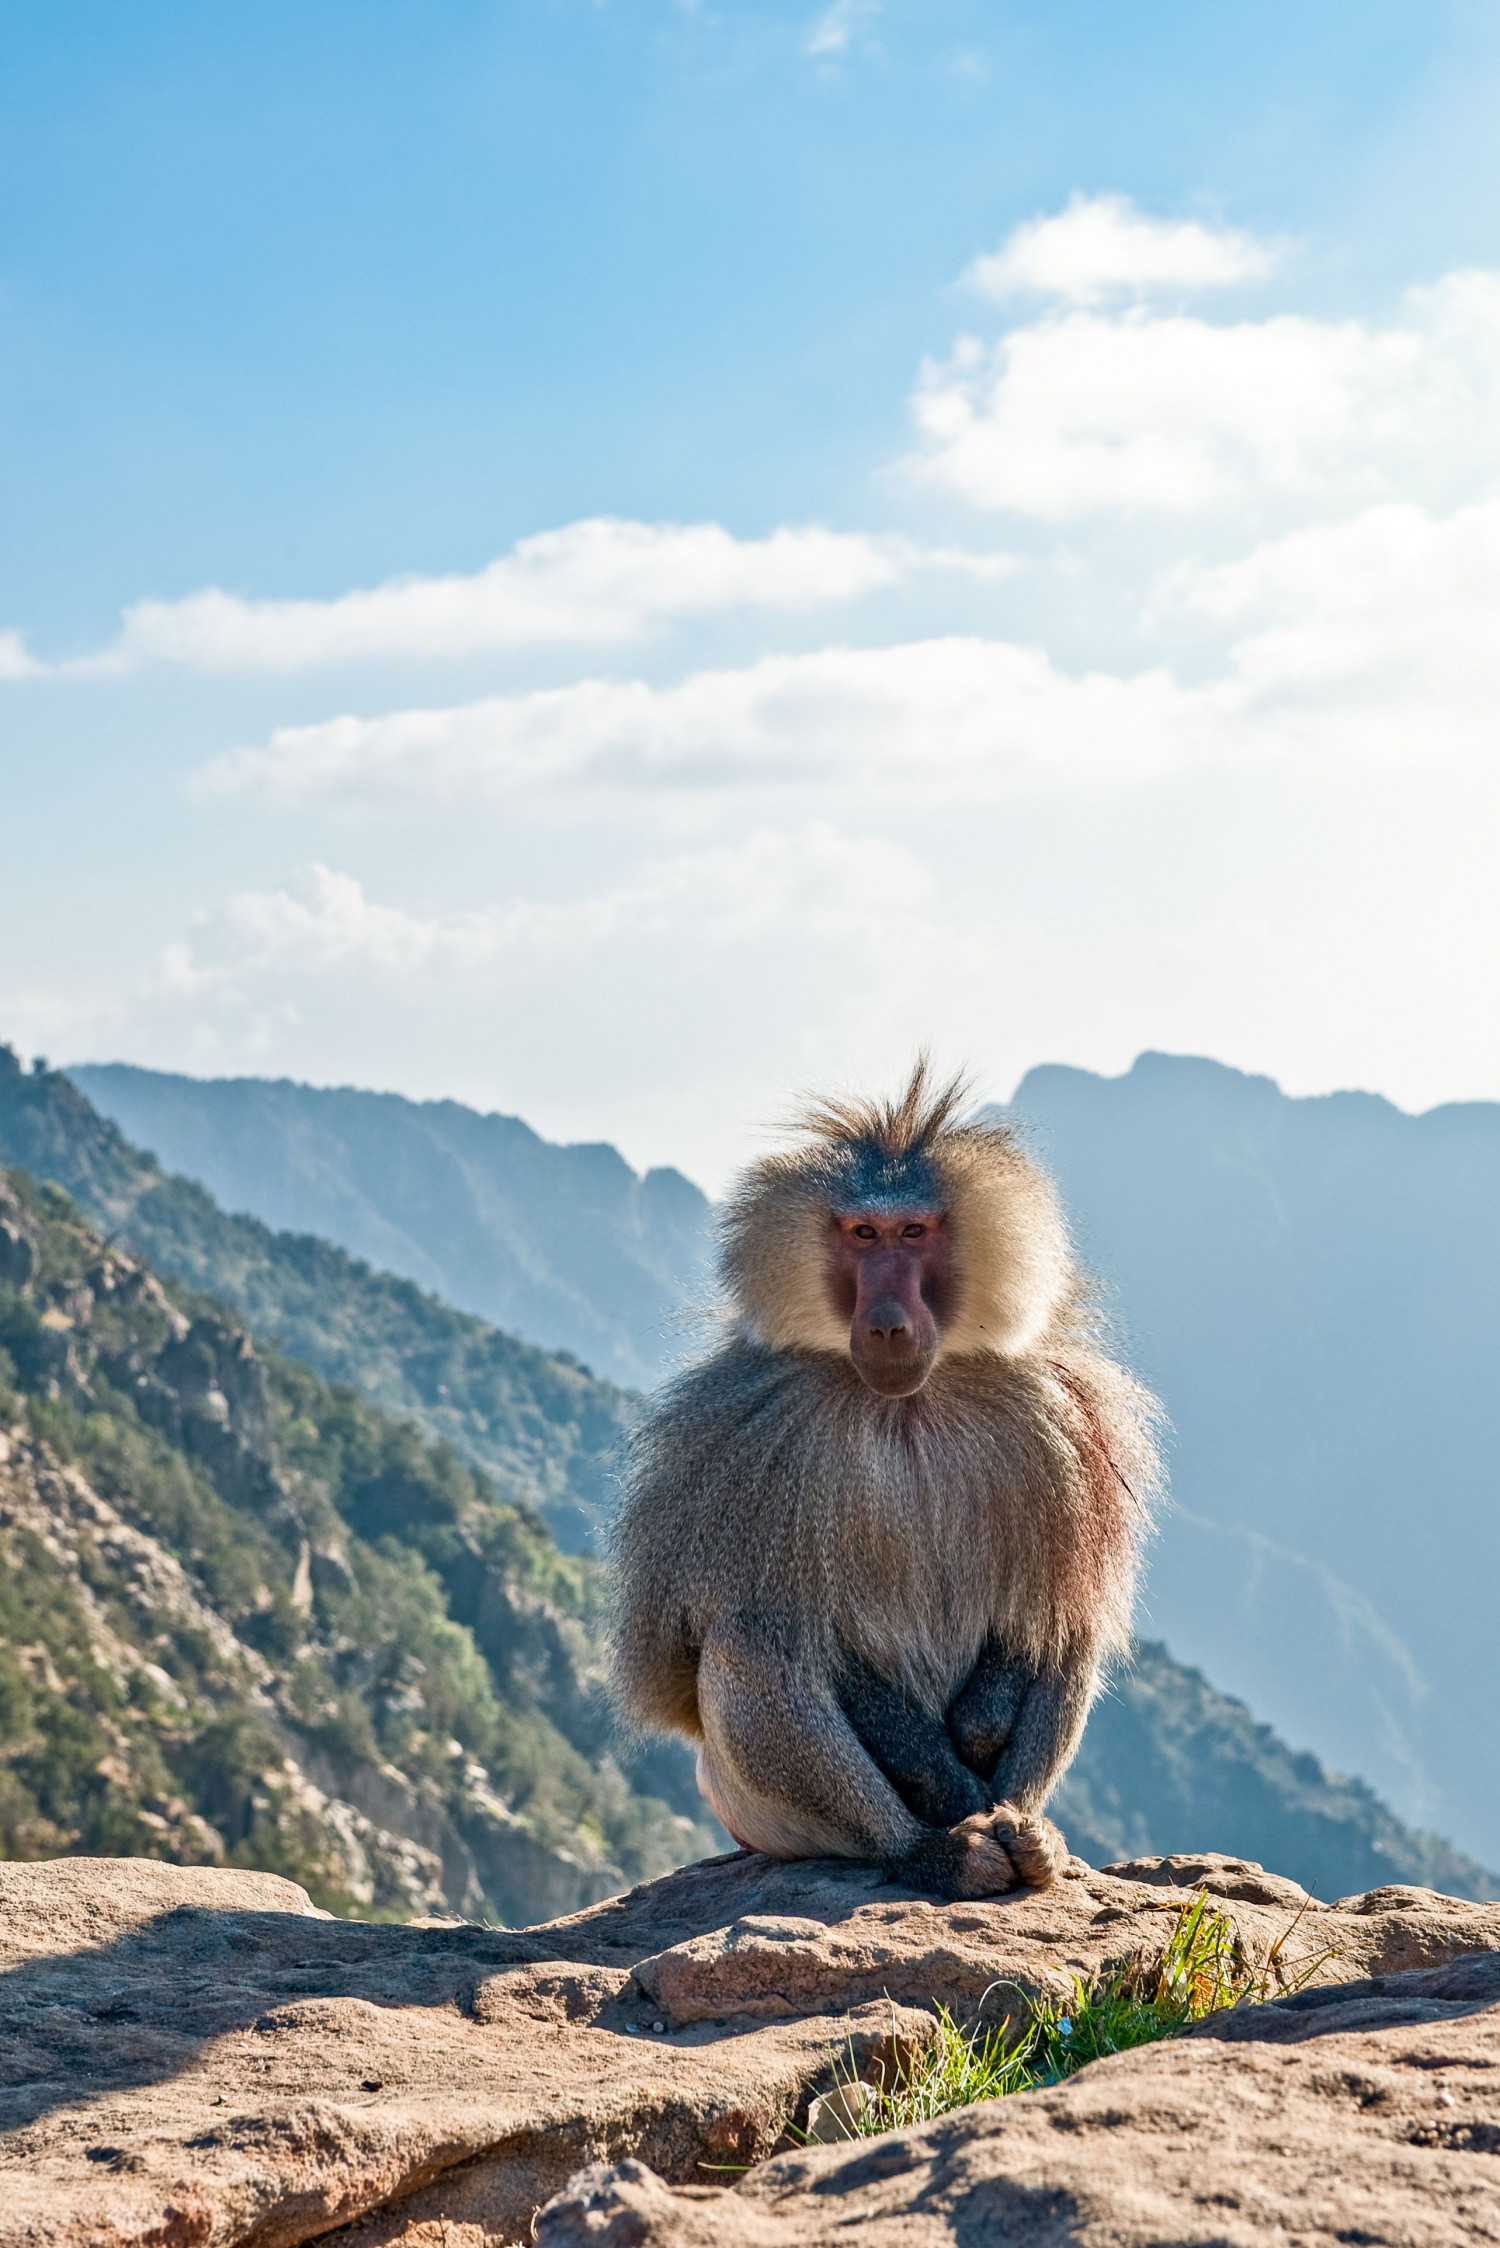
{"x":1167,"y":1762}
{"x":1313,"y":1288}
{"x":247,"y":1619}
{"x":545,"y":1430}
{"x":565,"y":1245}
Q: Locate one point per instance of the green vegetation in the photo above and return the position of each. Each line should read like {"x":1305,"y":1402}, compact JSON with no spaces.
{"x":1201,"y":1970}
{"x":247,"y":1618}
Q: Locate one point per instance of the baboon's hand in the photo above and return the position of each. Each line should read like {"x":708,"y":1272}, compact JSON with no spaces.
{"x":1034,"y":1846}
{"x":987,"y":1855}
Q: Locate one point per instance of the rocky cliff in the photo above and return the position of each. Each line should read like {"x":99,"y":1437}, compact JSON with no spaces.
{"x":244,"y":1618}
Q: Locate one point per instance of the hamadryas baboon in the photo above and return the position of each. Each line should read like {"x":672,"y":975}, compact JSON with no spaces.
{"x":875,"y":1547}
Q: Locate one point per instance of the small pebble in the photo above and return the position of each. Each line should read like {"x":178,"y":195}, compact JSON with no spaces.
{"x":658,"y":2027}
{"x":632,"y":2029}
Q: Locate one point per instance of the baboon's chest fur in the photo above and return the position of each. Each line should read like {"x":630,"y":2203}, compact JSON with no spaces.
{"x":906,"y":1529}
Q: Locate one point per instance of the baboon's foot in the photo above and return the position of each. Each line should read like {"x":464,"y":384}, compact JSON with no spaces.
{"x":1034,"y":1846}
{"x":986,"y":1855}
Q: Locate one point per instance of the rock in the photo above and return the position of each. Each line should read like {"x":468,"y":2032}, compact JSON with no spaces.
{"x":17,"y":1254}
{"x":837,"y":2116}
{"x":192,"y":2058}
{"x":1367,"y":2116}
{"x":74,"y":1904}
{"x":1238,"y":1878}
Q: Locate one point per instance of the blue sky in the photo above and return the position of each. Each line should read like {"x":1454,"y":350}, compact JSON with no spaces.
{"x":298,"y":297}
{"x":297,"y":301}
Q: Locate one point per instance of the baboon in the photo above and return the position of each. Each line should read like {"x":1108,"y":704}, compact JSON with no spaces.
{"x":875,"y":1547}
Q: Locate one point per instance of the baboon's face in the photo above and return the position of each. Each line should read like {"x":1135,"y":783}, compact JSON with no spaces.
{"x":893,"y":1277}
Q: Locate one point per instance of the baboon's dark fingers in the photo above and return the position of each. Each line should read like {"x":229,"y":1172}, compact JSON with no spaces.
{"x":966,"y":1861}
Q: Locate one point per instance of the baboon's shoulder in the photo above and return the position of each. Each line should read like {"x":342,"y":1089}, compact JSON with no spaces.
{"x":723,"y":1416}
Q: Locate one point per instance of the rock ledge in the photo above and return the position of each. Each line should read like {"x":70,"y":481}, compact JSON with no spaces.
{"x":192,"y":2059}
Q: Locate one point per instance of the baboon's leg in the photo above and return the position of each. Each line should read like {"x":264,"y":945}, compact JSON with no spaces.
{"x":786,"y":1772}
{"x":781,"y":1763}
{"x":911,"y":1747}
{"x":1045,"y":1735}
{"x":983,"y":1715}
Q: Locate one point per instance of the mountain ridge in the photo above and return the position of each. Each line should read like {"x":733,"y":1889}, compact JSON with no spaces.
{"x":544,"y":1427}
{"x":565,"y":1244}
{"x":1179,"y":1166}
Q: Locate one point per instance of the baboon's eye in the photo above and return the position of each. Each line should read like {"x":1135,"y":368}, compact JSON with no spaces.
{"x":912,"y":1232}
{"x":864,"y":1233}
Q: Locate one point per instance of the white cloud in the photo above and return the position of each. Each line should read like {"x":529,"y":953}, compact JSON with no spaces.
{"x":1351,"y":644}
{"x":1274,"y":914}
{"x":963,"y":717}
{"x":1249,"y":811}
{"x":839,"y":26}
{"x":728,"y":895}
{"x":1089,"y":412}
{"x":1101,"y":246}
{"x":322,"y":923}
{"x":593,"y":582}
{"x":16,"y":661}
{"x":1391,"y":616}
{"x":711,"y":984}
{"x":705,"y":949}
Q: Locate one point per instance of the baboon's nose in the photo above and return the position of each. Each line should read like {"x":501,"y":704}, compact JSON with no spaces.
{"x":889,"y":1323}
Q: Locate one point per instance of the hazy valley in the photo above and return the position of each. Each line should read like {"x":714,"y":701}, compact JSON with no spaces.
{"x":564,"y":1245}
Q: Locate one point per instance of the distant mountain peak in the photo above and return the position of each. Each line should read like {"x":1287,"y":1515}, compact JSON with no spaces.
{"x":564,"y":1244}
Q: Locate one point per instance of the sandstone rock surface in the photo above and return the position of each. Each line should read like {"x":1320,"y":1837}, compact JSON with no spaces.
{"x":1374,"y":2119}
{"x":192,"y":2058}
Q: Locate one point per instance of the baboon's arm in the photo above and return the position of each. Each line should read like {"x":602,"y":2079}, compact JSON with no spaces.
{"x":914,"y":1750}
{"x":1019,"y":1728}
{"x":1046,"y":1736}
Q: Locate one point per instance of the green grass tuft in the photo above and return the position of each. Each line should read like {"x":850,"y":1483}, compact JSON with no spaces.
{"x":1202,"y":1969}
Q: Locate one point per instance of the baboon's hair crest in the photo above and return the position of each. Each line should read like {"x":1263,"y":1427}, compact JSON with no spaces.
{"x":868,"y":1152}
{"x":895,"y":1127}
